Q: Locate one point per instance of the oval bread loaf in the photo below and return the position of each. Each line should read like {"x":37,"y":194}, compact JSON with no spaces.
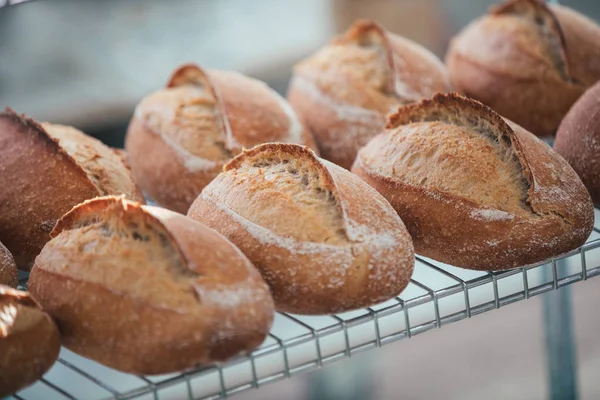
{"x":345,"y":90}
{"x":148,"y":291}
{"x":46,"y":170}
{"x":527,"y":60}
{"x":8,"y":270}
{"x":29,"y":341}
{"x":578,"y":140}
{"x":180,"y":137}
{"x":323,"y":240}
{"x":474,"y":190}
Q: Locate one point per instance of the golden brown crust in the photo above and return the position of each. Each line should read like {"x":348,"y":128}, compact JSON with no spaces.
{"x":226,"y":112}
{"x":527,"y":60}
{"x":29,"y":341}
{"x":35,"y":192}
{"x":344,"y":91}
{"x":178,"y":294}
{"x":578,"y":140}
{"x":41,"y":182}
{"x":557,"y":214}
{"x":9,"y":275}
{"x":324,"y":241}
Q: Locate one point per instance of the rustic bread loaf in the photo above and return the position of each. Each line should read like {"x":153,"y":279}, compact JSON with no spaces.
{"x":474,"y":190}
{"x":527,"y":60}
{"x":29,"y":341}
{"x":323,"y":240}
{"x":148,"y":291}
{"x":8,"y":270}
{"x":345,"y":90}
{"x":180,"y":137}
{"x":578,"y":140}
{"x":45,"y":170}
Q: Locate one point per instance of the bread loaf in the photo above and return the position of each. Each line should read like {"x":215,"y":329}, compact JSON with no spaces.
{"x":46,"y":170}
{"x":527,"y":60}
{"x":345,"y":90}
{"x":148,"y":291}
{"x":323,"y":240}
{"x":29,"y":341}
{"x":474,"y":190}
{"x":8,"y":270}
{"x":578,"y":140}
{"x":180,"y":137}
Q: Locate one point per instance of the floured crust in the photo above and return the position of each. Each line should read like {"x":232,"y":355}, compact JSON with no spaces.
{"x":556,"y":213}
{"x":178,"y":294}
{"x":345,"y":90}
{"x":9,"y":275}
{"x":527,"y":61}
{"x":41,"y":182}
{"x":318,"y":267}
{"x":199,"y":122}
{"x":105,"y":167}
{"x":29,"y":341}
{"x":578,"y":140}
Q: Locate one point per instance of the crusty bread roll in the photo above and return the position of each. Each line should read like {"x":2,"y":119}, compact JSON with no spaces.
{"x":148,"y":291}
{"x":46,"y":170}
{"x":527,"y":60}
{"x":474,"y":190}
{"x":180,"y":137}
{"x":578,"y":140}
{"x":323,"y":240}
{"x":29,"y":341}
{"x":345,"y":90}
{"x":8,"y":270}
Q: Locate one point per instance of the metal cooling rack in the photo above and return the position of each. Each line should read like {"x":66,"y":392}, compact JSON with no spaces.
{"x":437,"y":295}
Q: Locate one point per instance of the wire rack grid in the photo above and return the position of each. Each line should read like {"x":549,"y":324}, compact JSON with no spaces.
{"x":437,"y":295}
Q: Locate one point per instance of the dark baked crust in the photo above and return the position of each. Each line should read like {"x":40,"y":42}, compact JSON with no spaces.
{"x":458,"y":231}
{"x":578,"y":140}
{"x":40,"y":182}
{"x":29,"y":341}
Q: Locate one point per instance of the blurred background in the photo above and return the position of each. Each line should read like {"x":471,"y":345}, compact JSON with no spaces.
{"x":88,"y":63}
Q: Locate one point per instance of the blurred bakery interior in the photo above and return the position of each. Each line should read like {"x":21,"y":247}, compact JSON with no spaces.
{"x":88,"y":63}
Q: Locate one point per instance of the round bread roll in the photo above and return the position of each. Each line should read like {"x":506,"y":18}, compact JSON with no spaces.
{"x":29,"y":341}
{"x":345,"y":90}
{"x":46,"y":170}
{"x":180,"y":137}
{"x":8,"y":270}
{"x":578,"y":140}
{"x":148,"y":291}
{"x":527,"y":60}
{"x":324,"y":241}
{"x":474,"y":190}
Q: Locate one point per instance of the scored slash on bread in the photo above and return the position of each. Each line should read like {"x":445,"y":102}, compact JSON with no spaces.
{"x":473,"y":189}
{"x":180,"y":137}
{"x":148,"y":291}
{"x":323,"y":240}
{"x":46,"y":170}
{"x":344,"y":91}
{"x":527,"y":60}
{"x":29,"y":341}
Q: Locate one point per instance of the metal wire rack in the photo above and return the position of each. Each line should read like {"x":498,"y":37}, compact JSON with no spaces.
{"x":437,"y":295}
